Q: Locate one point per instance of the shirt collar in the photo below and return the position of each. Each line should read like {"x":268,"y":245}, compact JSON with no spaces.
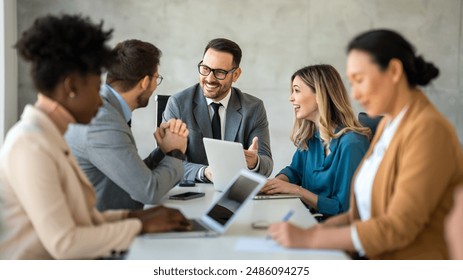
{"x":126,"y":112}
{"x":224,"y":101}
{"x":393,"y":124}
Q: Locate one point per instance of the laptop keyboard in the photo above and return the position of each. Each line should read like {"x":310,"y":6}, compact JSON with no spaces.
{"x":197,"y":226}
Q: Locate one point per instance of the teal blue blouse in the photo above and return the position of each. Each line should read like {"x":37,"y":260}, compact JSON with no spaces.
{"x":328,"y":177}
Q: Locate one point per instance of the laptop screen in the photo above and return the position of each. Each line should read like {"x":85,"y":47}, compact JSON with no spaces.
{"x":232,"y":199}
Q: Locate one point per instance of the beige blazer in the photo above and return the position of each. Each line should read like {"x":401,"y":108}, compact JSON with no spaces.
{"x":48,"y":203}
{"x":413,"y":188}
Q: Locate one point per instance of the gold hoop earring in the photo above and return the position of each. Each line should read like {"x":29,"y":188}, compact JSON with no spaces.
{"x":72,"y":95}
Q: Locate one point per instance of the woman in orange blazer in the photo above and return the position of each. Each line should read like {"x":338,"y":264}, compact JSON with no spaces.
{"x":403,"y":187}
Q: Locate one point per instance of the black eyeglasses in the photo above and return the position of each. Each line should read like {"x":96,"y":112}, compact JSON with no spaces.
{"x":219,"y":74}
{"x":159,"y":79}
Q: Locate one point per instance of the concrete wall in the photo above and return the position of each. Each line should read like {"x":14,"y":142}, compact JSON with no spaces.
{"x":277,"y":38}
{"x":8,"y":67}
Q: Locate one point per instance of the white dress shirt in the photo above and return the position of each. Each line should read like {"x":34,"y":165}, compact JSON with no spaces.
{"x":363,"y":182}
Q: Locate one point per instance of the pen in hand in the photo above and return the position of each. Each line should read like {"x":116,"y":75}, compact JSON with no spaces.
{"x":288,"y":216}
{"x":285,"y":219}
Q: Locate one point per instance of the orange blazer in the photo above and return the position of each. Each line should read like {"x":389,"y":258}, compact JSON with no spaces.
{"x":413,"y":188}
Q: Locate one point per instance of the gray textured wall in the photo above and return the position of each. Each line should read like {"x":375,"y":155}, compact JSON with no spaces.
{"x":277,"y":38}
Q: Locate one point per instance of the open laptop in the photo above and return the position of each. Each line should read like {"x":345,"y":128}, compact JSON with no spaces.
{"x":225,"y":160}
{"x":220,"y":216}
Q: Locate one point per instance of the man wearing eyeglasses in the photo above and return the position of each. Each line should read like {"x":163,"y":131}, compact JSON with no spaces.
{"x":106,"y":149}
{"x":213,"y":108}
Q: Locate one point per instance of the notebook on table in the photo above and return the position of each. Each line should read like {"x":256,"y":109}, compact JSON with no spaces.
{"x":225,"y":160}
{"x":221,"y":214}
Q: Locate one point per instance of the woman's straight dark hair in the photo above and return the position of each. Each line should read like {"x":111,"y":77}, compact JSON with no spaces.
{"x":384,"y":45}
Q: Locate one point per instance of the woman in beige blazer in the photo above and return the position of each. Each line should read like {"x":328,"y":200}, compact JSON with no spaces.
{"x":403,"y":187}
{"x":48,"y":206}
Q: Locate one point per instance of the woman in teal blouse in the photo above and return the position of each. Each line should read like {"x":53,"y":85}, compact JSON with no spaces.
{"x":329,"y":139}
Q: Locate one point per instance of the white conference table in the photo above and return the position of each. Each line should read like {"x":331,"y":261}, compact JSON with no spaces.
{"x":240,"y":241}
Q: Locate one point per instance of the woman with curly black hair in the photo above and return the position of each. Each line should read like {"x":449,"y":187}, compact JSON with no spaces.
{"x":49,"y":205}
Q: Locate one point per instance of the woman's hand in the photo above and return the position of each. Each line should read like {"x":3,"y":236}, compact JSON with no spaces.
{"x":291,"y":236}
{"x":277,"y":185}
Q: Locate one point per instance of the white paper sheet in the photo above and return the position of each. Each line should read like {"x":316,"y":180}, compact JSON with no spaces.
{"x":264,"y":245}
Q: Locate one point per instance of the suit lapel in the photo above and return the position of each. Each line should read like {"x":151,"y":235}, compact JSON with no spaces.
{"x":234,"y":117}
{"x":83,"y":179}
{"x":201,"y":113}
{"x":109,"y":98}
{"x":56,"y":139}
{"x":87,"y":187}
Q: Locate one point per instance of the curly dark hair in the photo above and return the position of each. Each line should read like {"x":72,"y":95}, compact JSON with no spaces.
{"x":59,"y":45}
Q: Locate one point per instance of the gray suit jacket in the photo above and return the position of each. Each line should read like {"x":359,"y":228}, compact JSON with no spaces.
{"x":246,"y":118}
{"x":107,"y":153}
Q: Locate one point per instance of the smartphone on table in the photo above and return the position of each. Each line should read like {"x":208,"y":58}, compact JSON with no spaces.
{"x":186,"y":195}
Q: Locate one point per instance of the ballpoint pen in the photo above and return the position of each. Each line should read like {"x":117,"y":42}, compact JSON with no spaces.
{"x":288,"y":216}
{"x":285,"y":219}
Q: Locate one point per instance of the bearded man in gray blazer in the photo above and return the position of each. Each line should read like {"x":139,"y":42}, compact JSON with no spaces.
{"x":240,"y":117}
{"x":106,"y":149}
